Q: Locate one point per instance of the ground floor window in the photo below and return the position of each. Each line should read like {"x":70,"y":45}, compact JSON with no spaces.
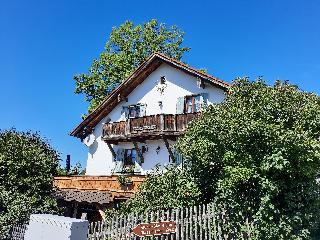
{"x":127,"y":161}
{"x":130,"y":157}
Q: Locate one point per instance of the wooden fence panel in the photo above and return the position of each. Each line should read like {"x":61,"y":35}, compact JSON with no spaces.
{"x":203,"y":222}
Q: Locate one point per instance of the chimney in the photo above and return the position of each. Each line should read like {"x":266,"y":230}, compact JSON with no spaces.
{"x":68,"y":163}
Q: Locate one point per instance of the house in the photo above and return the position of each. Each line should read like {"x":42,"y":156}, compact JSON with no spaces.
{"x":135,"y":128}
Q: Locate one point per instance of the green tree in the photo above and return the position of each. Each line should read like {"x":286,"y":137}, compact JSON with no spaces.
{"x":27,"y":166}
{"x":128,"y":46}
{"x":258,"y":153}
{"x":167,"y":188}
{"x":75,"y":170}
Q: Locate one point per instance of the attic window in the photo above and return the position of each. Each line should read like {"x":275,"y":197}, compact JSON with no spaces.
{"x":134,"y":111}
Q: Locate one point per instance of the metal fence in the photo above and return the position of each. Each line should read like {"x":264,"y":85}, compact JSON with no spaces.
{"x":202,"y":222}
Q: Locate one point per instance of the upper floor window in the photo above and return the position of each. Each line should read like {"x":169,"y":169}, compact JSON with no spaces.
{"x":191,"y":103}
{"x":133,"y":111}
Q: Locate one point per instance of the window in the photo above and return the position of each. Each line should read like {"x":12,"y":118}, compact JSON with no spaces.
{"x":130,"y":157}
{"x":191,"y":103}
{"x":178,"y":159}
{"x":127,"y":159}
{"x":133,"y":111}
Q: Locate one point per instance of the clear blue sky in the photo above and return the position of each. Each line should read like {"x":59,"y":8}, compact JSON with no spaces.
{"x":44,"y":43}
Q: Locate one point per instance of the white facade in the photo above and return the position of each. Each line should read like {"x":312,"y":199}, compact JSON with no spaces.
{"x":178,"y":84}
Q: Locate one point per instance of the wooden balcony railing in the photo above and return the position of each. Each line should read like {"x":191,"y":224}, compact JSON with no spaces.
{"x":147,"y":127}
{"x":99,"y":184}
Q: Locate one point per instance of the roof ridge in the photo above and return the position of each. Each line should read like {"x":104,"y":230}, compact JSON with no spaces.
{"x":192,"y":68}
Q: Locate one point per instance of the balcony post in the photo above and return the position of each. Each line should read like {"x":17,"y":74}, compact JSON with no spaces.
{"x":175,"y":122}
{"x":128,"y":127}
{"x":162,"y":122}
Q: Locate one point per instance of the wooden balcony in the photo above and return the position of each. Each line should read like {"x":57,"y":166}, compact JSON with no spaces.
{"x":99,"y":184}
{"x":148,"y":127}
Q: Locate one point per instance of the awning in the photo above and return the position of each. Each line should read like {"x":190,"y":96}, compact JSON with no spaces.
{"x":83,"y":196}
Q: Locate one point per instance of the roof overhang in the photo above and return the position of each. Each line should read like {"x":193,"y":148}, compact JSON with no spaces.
{"x":70,"y":195}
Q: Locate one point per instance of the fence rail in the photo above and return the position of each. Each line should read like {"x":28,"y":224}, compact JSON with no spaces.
{"x":202,"y":222}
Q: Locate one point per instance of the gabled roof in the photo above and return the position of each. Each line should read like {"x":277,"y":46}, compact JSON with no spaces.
{"x":136,"y":78}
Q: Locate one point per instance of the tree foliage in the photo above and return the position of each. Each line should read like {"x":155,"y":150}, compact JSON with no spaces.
{"x":259,"y":154}
{"x":128,"y":46}
{"x":164,"y":189}
{"x":27,"y":166}
{"x":76,"y":169}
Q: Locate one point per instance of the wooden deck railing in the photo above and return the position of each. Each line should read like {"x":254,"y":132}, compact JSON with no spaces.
{"x":99,"y":183}
{"x":167,"y":124}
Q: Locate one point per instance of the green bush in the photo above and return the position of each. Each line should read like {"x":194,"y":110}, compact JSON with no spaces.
{"x":259,"y":154}
{"x":167,"y":188}
{"x":27,"y":166}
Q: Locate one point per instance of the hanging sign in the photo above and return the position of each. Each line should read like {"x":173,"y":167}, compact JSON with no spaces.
{"x":155,"y":228}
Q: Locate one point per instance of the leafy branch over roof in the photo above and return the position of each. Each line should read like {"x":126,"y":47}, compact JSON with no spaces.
{"x":128,"y":46}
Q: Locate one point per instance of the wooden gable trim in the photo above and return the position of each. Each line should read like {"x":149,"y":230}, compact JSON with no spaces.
{"x":111,"y":101}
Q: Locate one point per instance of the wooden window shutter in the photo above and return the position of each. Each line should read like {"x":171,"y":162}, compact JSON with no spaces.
{"x":204,"y":100}
{"x":124,"y":113}
{"x":180,"y":105}
{"x":137,"y":164}
{"x":119,"y":161}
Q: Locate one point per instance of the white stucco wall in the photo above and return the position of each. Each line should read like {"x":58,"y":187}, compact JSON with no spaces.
{"x":179,"y":84}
